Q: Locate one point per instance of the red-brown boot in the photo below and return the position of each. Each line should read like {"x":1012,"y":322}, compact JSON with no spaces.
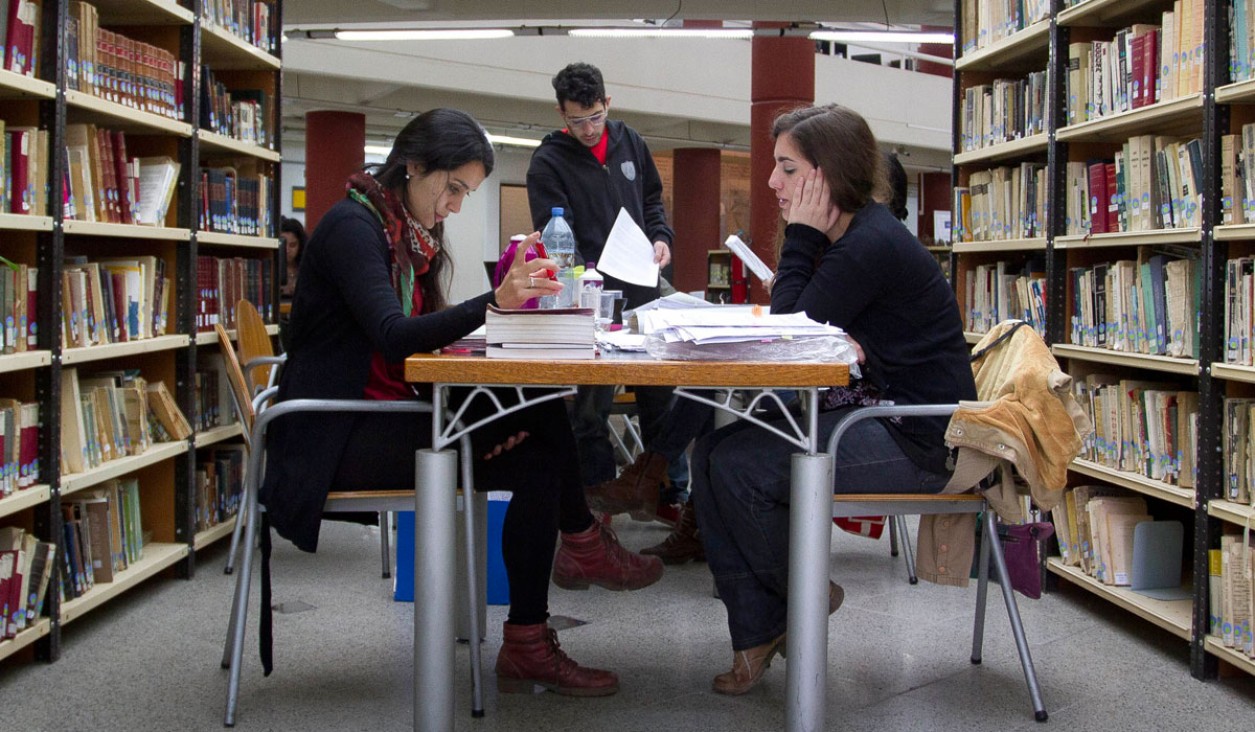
{"x":530,"y":656}
{"x":595,"y":557}
{"x":634,"y":491}
{"x":683,"y":543}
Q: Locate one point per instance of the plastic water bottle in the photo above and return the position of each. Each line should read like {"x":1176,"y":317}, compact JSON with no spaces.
{"x":559,"y":243}
{"x":591,"y":285}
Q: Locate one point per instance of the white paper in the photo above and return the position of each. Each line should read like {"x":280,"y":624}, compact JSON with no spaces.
{"x":629,"y":254}
{"x":747,"y":255}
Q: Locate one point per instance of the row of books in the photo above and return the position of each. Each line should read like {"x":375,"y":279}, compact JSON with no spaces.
{"x":244,"y":114}
{"x":998,"y":292}
{"x":988,"y":21}
{"x":19,"y":305}
{"x":25,"y":160}
{"x":114,"y":300}
{"x":105,"y":184}
{"x":1231,"y":606}
{"x":1151,"y":183}
{"x":1146,"y":428}
{"x":1007,"y":109}
{"x":1238,"y":442}
{"x":1001,"y":203}
{"x":26,"y":569}
{"x":256,"y":21}
{"x":19,"y":445}
{"x":1148,"y":306}
{"x":236,"y":200}
{"x":19,"y":24}
{"x":120,"y":69}
{"x":110,"y":415}
{"x":103,"y":535}
{"x":1237,"y":177}
{"x":1096,"y":527}
{"x":221,"y":282}
{"x":1142,"y":65}
{"x":1241,"y":40}
{"x":211,"y":395}
{"x":219,"y":484}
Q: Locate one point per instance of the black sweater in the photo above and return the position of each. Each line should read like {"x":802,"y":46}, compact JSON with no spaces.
{"x":565,"y":173}
{"x":344,"y":311}
{"x":879,"y":284}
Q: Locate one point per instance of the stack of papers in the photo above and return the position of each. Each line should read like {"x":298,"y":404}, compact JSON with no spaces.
{"x":729,"y":325}
{"x":565,"y":333}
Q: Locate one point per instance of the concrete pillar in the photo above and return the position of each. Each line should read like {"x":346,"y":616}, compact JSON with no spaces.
{"x":334,"y":149}
{"x":695,"y":210}
{"x":782,"y":77}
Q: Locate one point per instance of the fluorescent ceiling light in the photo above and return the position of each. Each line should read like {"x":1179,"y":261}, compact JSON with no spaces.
{"x":843,"y":36}
{"x":661,"y":33}
{"x":511,"y":140}
{"x":380,"y":150}
{"x":431,"y":34}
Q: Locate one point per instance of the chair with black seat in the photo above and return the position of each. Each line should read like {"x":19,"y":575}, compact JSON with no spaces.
{"x":256,"y":424}
{"x":1010,"y":363}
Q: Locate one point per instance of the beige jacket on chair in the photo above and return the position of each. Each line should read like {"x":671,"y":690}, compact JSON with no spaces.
{"x":1027,"y":419}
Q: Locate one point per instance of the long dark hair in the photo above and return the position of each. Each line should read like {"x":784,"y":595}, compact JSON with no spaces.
{"x":436,"y":140}
{"x":838,"y":141}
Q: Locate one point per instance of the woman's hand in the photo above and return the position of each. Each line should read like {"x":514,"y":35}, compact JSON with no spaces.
{"x":812,"y":203}
{"x":862,"y":357}
{"x":509,"y":444}
{"x":525,"y":280}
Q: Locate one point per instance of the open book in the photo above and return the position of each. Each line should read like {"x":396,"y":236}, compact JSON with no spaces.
{"x":747,"y":255}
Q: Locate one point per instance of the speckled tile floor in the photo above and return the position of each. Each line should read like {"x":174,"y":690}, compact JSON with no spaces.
{"x":898,"y":658}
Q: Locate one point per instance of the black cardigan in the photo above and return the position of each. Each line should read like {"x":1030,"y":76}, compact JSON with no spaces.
{"x":344,"y":310}
{"x":565,"y":173}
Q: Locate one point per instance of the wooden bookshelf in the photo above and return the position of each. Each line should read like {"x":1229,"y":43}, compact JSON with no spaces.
{"x":1171,"y":615}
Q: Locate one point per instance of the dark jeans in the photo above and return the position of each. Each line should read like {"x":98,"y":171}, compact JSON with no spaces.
{"x":592,"y":436}
{"x":740,"y":487}
{"x":547,"y":494}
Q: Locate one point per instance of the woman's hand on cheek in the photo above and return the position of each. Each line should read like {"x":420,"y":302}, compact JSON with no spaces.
{"x":812,"y":203}
{"x":526,"y":279}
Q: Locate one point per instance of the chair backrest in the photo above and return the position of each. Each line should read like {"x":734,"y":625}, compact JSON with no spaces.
{"x":235,"y":375}
{"x":254,"y":340}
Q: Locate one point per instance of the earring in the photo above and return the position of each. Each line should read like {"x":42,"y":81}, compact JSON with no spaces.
{"x":407,"y":176}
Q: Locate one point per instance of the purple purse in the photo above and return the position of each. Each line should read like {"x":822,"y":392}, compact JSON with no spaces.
{"x":1020,"y":546}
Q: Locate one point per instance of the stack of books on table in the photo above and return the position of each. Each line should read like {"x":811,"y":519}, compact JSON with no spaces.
{"x":562,"y":333}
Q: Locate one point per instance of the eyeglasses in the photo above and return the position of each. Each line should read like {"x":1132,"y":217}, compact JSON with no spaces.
{"x":592,"y":120}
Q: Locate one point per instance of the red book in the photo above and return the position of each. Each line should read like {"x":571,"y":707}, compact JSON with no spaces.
{"x":1137,"y":61}
{"x":1150,"y":67}
{"x":20,"y":193}
{"x":121,"y":172}
{"x":1098,"y":198}
{"x":29,"y":458}
{"x":1113,"y":199}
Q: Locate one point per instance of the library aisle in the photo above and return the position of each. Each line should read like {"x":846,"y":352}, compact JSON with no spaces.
{"x":898,"y":657}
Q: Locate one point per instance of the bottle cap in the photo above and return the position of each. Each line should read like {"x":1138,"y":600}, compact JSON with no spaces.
{"x":556,"y":211}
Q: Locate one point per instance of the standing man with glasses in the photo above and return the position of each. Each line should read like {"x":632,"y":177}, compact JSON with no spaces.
{"x":592,"y":168}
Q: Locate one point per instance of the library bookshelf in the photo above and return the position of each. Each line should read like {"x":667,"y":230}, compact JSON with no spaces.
{"x":1108,"y":210}
{"x":126,"y":100}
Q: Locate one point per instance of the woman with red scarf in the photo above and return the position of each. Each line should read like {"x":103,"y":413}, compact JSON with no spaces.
{"x":370,"y":295}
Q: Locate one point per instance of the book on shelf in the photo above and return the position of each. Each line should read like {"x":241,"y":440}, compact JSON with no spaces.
{"x":566,"y":333}
{"x":158,"y":177}
{"x":167,"y":411}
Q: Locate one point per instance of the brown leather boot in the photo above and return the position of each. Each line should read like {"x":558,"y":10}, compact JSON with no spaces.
{"x":683,"y":543}
{"x":635,"y":491}
{"x":595,"y":557}
{"x":531,"y":656}
{"x":748,"y":667}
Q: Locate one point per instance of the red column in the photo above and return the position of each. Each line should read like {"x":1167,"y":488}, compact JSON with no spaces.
{"x":695,"y":214}
{"x":782,"y":77}
{"x":334,"y":149}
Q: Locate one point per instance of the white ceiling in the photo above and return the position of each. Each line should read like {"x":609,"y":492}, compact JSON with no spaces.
{"x":511,"y":96}
{"x":915,"y":12}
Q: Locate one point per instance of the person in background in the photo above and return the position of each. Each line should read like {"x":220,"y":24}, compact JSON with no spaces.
{"x":591,"y":168}
{"x":896,"y":175}
{"x":369,"y":296}
{"x":845,"y":260}
{"x":292,"y":234}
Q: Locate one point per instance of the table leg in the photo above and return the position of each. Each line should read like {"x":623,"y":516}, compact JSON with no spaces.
{"x":435,"y":510}
{"x":810,"y":541}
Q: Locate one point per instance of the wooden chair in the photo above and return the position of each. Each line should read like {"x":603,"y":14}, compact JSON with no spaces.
{"x":256,"y":424}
